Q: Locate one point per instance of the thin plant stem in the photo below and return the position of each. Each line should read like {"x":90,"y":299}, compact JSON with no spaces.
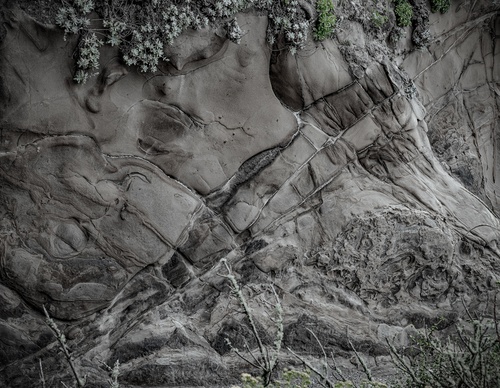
{"x":362,"y":362}
{"x":268,"y":361}
{"x":61,"y":338}
{"x":42,"y":377}
{"x":325,"y":381}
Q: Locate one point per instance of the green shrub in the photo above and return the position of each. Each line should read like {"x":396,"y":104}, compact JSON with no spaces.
{"x":440,"y":6}
{"x":378,"y":20}
{"x":326,"y":20}
{"x":290,"y":378}
{"x":404,"y":13}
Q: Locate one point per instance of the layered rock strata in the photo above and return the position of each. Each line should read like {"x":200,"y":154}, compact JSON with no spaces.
{"x":360,"y":179}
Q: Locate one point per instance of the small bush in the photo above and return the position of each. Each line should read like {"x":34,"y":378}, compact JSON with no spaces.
{"x":233,"y":31}
{"x":440,"y":6}
{"x":327,"y":20}
{"x":290,"y":378}
{"x":471,"y":360}
{"x":378,"y":20}
{"x":404,"y":13}
{"x":288,"y":21}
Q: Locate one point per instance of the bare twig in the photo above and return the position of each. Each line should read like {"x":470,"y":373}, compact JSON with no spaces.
{"x":61,"y":338}
{"x":495,"y":318}
{"x":325,"y":382}
{"x":466,"y":309}
{"x":361,"y":361}
{"x":402,"y":364}
{"x":337,"y":369}
{"x":325,"y":360}
{"x":113,"y":373}
{"x":42,"y":377}
{"x":256,"y":363}
{"x":269,"y":359}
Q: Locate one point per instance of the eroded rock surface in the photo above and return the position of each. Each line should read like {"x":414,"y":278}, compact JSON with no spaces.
{"x":360,"y":179}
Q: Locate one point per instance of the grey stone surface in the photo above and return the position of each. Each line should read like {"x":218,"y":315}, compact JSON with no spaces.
{"x":360,"y":179}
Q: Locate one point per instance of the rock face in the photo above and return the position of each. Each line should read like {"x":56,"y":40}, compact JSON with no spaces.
{"x":360,"y":178}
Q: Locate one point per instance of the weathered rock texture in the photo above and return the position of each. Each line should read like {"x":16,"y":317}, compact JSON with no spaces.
{"x":360,"y":178}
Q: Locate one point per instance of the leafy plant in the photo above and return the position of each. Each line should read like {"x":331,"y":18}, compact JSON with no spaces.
{"x":73,"y":19}
{"x":471,"y":361}
{"x":378,"y":20}
{"x":88,"y":56}
{"x":290,"y":378}
{"x":404,"y":13}
{"x":295,"y":379}
{"x":327,"y":20}
{"x":234,"y":32}
{"x":142,"y":29}
{"x":440,"y":6}
{"x":288,"y":21}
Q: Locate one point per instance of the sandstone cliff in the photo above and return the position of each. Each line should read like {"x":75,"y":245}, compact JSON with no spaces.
{"x":360,"y":176}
